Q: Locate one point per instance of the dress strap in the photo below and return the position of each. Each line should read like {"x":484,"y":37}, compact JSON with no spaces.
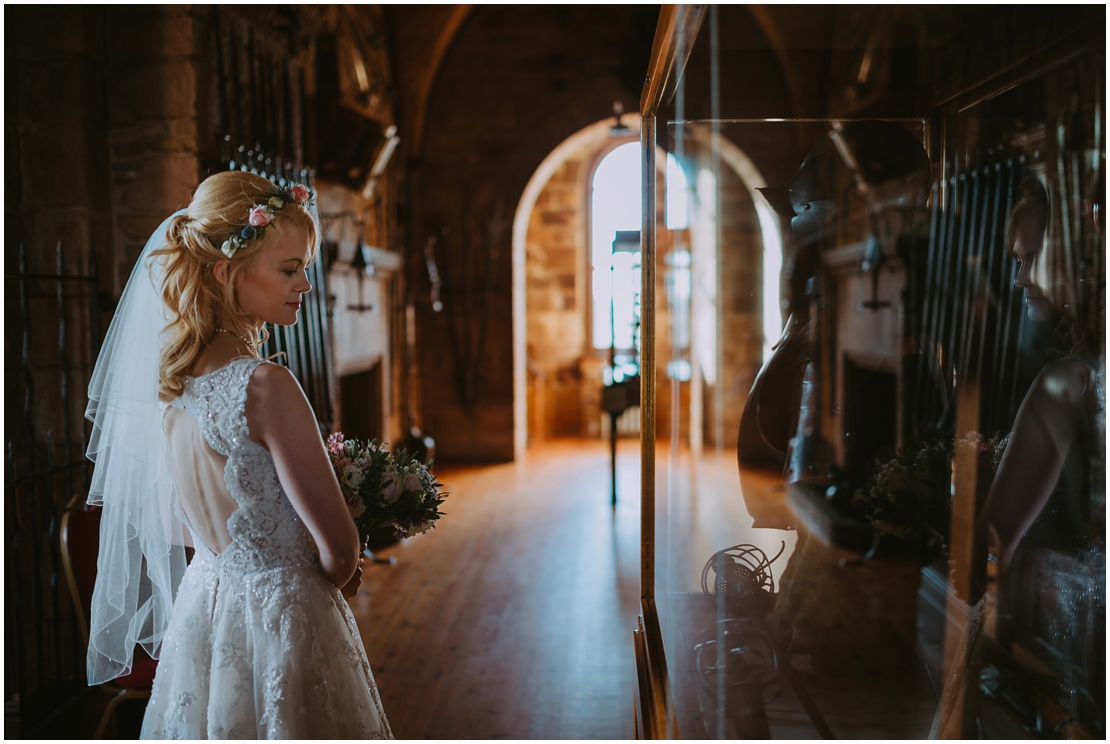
{"x":218,"y":402}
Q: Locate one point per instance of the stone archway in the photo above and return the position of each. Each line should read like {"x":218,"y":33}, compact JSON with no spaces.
{"x":587,"y":147}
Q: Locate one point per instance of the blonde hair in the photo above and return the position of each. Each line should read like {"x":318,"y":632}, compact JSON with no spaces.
{"x":195,"y":299}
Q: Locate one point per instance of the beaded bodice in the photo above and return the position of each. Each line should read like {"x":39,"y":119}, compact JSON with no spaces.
{"x":265,"y":531}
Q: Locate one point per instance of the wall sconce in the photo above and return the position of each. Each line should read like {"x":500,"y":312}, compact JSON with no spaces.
{"x":618,"y":129}
{"x":391,"y":142}
{"x":363,"y":264}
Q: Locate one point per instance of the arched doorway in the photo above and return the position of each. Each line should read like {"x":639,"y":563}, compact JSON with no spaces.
{"x":550,"y":243}
{"x":560,"y":323}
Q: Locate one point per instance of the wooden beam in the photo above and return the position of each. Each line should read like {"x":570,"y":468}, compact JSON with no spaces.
{"x":458,"y":14}
{"x":662,"y":60}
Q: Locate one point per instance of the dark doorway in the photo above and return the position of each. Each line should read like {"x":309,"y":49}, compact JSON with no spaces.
{"x":871,"y":428}
{"x":360,"y":404}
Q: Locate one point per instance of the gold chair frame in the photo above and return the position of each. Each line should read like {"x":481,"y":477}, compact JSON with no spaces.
{"x":119,"y":694}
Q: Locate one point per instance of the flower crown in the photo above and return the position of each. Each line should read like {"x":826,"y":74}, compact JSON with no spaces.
{"x":263,"y":214}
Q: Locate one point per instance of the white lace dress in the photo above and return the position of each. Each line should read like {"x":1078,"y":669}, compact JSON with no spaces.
{"x":260,"y":644}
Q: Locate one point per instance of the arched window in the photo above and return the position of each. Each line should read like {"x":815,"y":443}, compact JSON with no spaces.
{"x":614,"y":250}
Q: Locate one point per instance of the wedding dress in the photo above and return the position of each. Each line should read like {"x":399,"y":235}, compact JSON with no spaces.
{"x":260,"y":644}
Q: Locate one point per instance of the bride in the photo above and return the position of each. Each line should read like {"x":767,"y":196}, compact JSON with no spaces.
{"x":199,"y":442}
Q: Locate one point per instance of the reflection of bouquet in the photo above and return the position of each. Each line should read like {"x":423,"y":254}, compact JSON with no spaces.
{"x":381,"y":489}
{"x":909,"y":496}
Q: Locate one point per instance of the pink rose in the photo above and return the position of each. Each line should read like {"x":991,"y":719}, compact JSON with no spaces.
{"x":300,"y":194}
{"x":412,"y":483}
{"x":259,"y":217}
{"x":391,"y":487}
{"x":355,"y":505}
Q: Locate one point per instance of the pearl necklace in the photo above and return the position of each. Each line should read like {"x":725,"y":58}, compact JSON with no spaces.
{"x":249,"y":344}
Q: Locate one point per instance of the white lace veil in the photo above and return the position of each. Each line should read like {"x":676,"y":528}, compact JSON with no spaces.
{"x":142,"y":557}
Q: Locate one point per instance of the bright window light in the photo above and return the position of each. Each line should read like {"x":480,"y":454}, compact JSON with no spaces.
{"x":678,"y":195}
{"x":615,"y":205}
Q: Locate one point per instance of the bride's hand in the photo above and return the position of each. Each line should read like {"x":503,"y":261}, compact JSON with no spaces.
{"x":350,"y":589}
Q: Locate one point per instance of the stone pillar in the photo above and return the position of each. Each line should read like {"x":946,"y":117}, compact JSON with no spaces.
{"x":151,"y":97}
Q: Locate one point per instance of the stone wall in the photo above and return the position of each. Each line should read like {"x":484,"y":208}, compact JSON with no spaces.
{"x":113,"y":114}
{"x":557,"y":297}
{"x":151,"y":92}
{"x":56,"y":194}
{"x":740,"y":313}
{"x":516,"y":82}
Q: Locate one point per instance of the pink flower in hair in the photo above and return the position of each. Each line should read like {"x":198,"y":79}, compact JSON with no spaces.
{"x":259,"y":217}
{"x":300,"y":194}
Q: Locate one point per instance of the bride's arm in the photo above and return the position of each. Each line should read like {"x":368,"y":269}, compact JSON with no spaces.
{"x":281,"y":420}
{"x":1050,"y":420}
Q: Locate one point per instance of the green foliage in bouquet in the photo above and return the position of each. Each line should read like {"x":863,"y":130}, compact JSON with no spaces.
{"x":910,"y":496}
{"x":382,"y":489}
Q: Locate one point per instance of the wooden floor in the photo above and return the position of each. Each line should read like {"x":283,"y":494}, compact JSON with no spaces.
{"x":513,"y":619}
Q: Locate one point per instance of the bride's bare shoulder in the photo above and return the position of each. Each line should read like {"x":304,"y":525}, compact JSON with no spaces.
{"x":276,"y":406}
{"x":273,"y":384}
{"x":1066,"y":381}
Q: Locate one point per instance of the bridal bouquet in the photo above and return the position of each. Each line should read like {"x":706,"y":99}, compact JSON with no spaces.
{"x":909,"y":496}
{"x":383,"y":489}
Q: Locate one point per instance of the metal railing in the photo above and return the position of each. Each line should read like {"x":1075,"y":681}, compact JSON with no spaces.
{"x":304,"y":348}
{"x":46,"y":438}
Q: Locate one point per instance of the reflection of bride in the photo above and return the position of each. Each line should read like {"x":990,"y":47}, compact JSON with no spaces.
{"x":1051,"y":564}
{"x":191,"y":429}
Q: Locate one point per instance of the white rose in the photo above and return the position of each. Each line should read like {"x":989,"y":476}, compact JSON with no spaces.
{"x":353,"y":477}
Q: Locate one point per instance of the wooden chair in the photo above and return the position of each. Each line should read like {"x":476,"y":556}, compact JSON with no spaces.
{"x":80,"y":545}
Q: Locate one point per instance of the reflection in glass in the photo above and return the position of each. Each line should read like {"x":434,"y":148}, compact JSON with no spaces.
{"x":894,"y":319}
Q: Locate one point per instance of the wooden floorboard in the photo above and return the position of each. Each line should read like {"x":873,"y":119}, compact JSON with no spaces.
{"x":513,"y":618}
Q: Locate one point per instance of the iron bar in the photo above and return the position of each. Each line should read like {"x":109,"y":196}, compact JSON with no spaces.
{"x":67,"y":450}
{"x":1002,"y":307}
{"x":993,"y":291}
{"x":235,"y":73}
{"x":966,"y":215}
{"x":1012,"y":412}
{"x":1095,"y":310}
{"x":223,"y":109}
{"x":925,"y":342}
{"x":969,"y":252}
{"x":55,"y":558}
{"x":1065,"y":211}
{"x":316,"y":346}
{"x":1079,"y":234}
{"x":42,"y":641}
{"x":95,"y":337}
{"x":63,"y":359}
{"x":944,"y":352}
{"x":999,"y":351}
{"x":29,"y":433}
{"x":15,"y":589}
{"x":1007,"y":319}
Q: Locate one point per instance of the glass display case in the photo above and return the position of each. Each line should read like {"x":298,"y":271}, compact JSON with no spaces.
{"x":872,"y":377}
